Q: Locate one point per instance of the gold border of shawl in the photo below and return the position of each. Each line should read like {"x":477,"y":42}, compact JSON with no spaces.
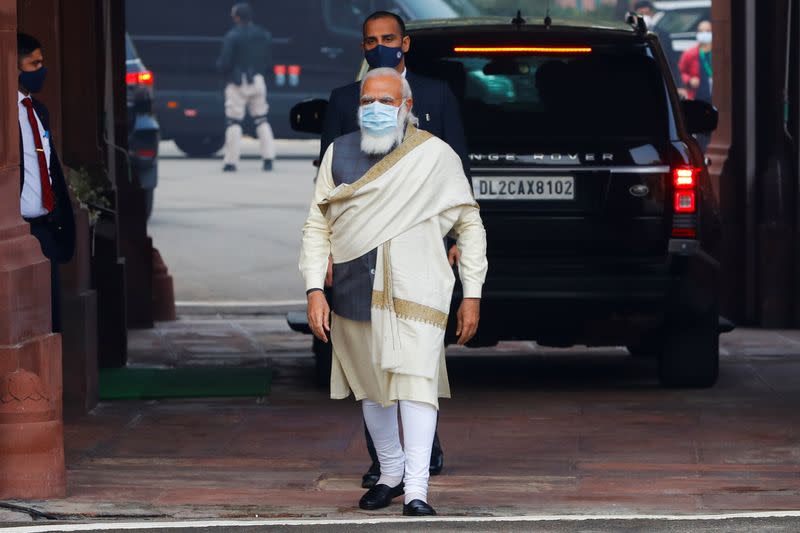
{"x":413,"y":138}
{"x":409,"y":310}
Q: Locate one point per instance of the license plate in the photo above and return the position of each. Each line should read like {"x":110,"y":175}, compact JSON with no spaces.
{"x":523,"y":188}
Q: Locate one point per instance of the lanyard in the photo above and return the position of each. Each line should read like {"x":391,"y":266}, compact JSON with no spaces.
{"x":705,"y":60}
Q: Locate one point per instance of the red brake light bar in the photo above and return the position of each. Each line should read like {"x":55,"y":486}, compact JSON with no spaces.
{"x":517,"y":49}
{"x":139,"y":78}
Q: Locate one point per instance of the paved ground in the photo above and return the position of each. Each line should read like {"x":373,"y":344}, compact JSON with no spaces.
{"x":708,"y":524}
{"x":233,"y":236}
{"x":531,"y":431}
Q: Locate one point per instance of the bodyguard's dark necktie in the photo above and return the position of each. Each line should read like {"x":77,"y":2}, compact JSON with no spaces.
{"x":48,"y":198}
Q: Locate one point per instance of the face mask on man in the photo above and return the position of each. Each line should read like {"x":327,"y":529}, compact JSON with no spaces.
{"x":704,"y":37}
{"x":383,"y":56}
{"x":33,"y":81}
{"x":648,"y":20}
{"x":378,"y":118}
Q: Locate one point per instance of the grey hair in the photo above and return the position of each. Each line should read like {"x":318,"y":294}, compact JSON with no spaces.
{"x":391,"y":73}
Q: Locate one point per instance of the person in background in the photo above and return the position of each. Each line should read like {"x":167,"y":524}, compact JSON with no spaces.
{"x":44,"y":199}
{"x":697,"y":72}
{"x":647,"y":10}
{"x":385,"y":44}
{"x":244,"y":61}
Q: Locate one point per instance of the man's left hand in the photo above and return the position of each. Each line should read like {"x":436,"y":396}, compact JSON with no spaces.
{"x":469,"y":314}
{"x":454,"y":255}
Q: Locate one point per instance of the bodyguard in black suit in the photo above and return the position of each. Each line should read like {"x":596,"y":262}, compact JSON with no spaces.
{"x":434,"y":102}
{"x":44,"y":199}
{"x":385,"y":45}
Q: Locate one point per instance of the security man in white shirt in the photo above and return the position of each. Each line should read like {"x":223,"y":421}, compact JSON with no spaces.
{"x":44,"y":199}
{"x":244,"y":60}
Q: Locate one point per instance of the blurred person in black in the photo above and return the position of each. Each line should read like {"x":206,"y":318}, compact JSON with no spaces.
{"x":44,"y":199}
{"x":244,"y":60}
{"x":385,"y":44}
{"x":647,"y":10}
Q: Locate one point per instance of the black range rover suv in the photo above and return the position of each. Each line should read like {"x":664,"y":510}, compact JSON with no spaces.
{"x":600,"y":218}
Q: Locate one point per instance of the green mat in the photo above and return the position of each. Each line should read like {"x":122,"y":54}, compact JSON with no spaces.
{"x":148,"y":383}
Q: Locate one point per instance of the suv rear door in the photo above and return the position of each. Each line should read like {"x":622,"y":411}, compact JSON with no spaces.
{"x":569,"y":146}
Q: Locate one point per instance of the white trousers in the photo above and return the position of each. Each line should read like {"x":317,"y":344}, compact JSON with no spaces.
{"x":411,"y":461}
{"x":250,"y":97}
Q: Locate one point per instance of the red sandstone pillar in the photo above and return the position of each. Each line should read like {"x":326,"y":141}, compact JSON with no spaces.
{"x":726,"y":154}
{"x":31,"y":428}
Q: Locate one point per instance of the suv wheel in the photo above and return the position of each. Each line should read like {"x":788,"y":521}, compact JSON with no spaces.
{"x":200,"y":146}
{"x":323,"y":355}
{"x":690,"y":356}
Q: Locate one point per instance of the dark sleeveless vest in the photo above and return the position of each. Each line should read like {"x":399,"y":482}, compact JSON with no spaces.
{"x":352,"y":281}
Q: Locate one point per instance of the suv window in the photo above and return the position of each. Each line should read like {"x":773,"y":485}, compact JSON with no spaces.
{"x":610,"y":94}
{"x":684,"y":20}
{"x":347,"y":18}
{"x":130,"y":50}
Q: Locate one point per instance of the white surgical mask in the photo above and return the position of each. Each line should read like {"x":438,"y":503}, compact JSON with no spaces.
{"x":648,"y":20}
{"x":704,"y":37}
{"x":378,"y":118}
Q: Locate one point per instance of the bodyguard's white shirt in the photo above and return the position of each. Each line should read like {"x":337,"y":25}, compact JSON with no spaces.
{"x":31,"y":199}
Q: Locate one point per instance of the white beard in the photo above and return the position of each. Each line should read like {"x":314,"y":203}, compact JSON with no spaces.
{"x":383,"y":144}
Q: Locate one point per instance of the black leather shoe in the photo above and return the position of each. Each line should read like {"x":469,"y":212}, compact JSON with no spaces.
{"x":418,"y":508}
{"x":229,"y":168}
{"x":372,"y":476}
{"x":437,"y":457}
{"x":267,"y":166}
{"x":380,"y":496}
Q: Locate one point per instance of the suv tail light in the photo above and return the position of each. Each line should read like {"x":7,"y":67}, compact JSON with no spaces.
{"x":144,"y":77}
{"x":684,"y":181}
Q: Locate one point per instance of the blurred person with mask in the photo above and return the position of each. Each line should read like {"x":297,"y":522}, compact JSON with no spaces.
{"x":385,"y":197}
{"x":44,"y":199}
{"x":385,"y":44}
{"x":244,"y":61}
{"x":697,"y":72}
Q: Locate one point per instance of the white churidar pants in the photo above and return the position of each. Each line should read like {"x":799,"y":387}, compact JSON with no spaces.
{"x":411,"y":461}
{"x":251,"y":97}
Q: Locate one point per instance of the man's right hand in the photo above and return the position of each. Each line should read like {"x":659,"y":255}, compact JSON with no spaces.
{"x":694,"y":82}
{"x":319,"y":315}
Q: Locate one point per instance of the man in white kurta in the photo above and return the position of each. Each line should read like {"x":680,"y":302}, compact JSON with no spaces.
{"x":402,"y":208}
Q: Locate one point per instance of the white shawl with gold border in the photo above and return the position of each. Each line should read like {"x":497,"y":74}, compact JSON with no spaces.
{"x":395,"y":207}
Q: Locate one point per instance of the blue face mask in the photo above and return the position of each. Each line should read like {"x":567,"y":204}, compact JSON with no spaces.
{"x":378,"y":118}
{"x":33,"y":81}
{"x":383,"y":56}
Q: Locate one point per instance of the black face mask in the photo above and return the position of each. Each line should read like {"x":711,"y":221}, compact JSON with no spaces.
{"x":33,"y":81}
